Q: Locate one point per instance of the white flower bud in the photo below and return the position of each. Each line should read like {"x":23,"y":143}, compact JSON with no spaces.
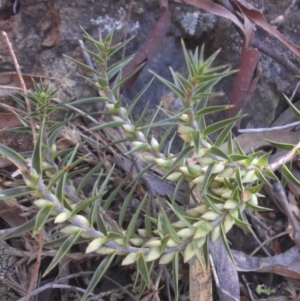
{"x":167,"y":258}
{"x":129,"y":259}
{"x":70,"y":229}
{"x":62,"y":217}
{"x":210,"y":215}
{"x":41,"y":203}
{"x":153,"y":243}
{"x":94,"y":245}
{"x":153,"y":254}
{"x":174,"y":177}
{"x":186,"y":232}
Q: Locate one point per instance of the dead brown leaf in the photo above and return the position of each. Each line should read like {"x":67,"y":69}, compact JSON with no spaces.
{"x":214,"y":9}
{"x":150,"y":46}
{"x":257,"y":17}
{"x":286,"y":264}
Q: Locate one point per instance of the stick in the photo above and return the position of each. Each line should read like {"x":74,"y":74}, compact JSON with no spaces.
{"x":17,"y":67}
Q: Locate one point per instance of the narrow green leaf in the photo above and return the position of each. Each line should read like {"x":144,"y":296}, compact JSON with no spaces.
{"x":125,"y":205}
{"x":57,"y":177}
{"x":238,"y":179}
{"x":12,"y":156}
{"x":132,"y":225}
{"x":42,"y":218}
{"x":37,"y":152}
{"x":84,"y":66}
{"x":235,"y":157}
{"x":211,"y":110}
{"x":255,"y":189}
{"x":230,"y":147}
{"x":218,"y":152}
{"x":181,"y":214}
{"x":83,"y":205}
{"x":143,"y":270}
{"x":171,"y":86}
{"x":138,"y":96}
{"x":211,"y":203}
{"x":225,"y":241}
{"x":148,"y":224}
{"x":176,"y":276}
{"x":90,"y":100}
{"x":57,"y":242}
{"x":127,"y":77}
{"x":111,"y":124}
{"x":207,"y":177}
{"x":226,"y":132}
{"x":263,"y":160}
{"x":294,"y":109}
{"x":241,"y":152}
{"x":15,"y":192}
{"x":113,"y":194}
{"x":88,"y":176}
{"x":183,"y":154}
{"x":261,"y":177}
{"x":138,"y":148}
{"x":19,"y":231}
{"x":270,"y":174}
{"x":221,"y":124}
{"x":141,"y":118}
{"x":95,"y":56}
{"x":289,"y":176}
{"x":63,"y":250}
{"x":112,"y":50}
{"x":118,"y":66}
{"x":166,"y":225}
{"x":256,"y":208}
{"x":188,"y":61}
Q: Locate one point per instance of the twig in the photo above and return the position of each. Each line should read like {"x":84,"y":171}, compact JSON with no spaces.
{"x":269,"y":240}
{"x":217,"y":280}
{"x":287,"y":158}
{"x":126,"y":26}
{"x":60,"y":286}
{"x":123,"y":288}
{"x":276,"y":56}
{"x":281,"y":196}
{"x":256,"y":238}
{"x":275,"y":128}
{"x":37,"y":264}
{"x":23,"y":86}
{"x":15,"y":5}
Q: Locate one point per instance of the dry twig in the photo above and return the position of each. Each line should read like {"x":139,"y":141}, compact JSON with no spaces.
{"x":17,"y":66}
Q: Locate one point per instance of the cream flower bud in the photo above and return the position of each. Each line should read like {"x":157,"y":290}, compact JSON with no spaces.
{"x":154,"y":143}
{"x":70,"y":229}
{"x":210,"y":215}
{"x":138,"y":242}
{"x":95,"y":245}
{"x":174,"y":177}
{"x":153,"y":243}
{"x":189,"y":252}
{"x":83,"y":219}
{"x":62,"y":217}
{"x":42,"y":203}
{"x":172,"y":243}
{"x":186,"y":232}
{"x":167,"y":258}
{"x":105,"y":251}
{"x":142,"y":232}
{"x":153,"y":254}
{"x":128,"y":128}
{"x":184,"y":118}
{"x":129,"y":259}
